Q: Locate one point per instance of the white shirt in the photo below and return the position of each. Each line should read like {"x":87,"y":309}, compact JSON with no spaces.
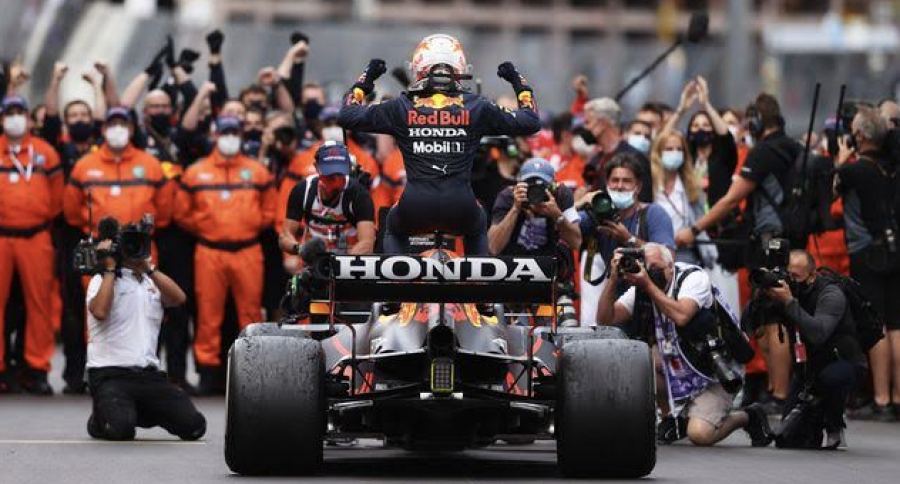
{"x":696,"y":286}
{"x":676,"y":205}
{"x":129,"y":335}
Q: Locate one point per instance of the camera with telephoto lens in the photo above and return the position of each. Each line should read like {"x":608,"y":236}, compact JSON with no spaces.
{"x":774,"y":270}
{"x":631,"y":260}
{"x":601,"y":209}
{"x":129,"y":242}
{"x":312,"y":282}
{"x":714,"y":352}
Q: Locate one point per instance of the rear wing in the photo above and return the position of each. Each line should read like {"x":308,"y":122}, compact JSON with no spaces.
{"x":407,"y":278}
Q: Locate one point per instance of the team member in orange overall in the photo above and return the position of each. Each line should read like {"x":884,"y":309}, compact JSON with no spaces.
{"x":31,"y":184}
{"x":225,"y":200}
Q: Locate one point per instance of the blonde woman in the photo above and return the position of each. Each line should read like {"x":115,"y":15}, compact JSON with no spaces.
{"x":677,"y":188}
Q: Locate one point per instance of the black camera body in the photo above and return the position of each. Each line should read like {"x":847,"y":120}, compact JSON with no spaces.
{"x":312,"y":282}
{"x":536,"y":191}
{"x":601,"y":209}
{"x":129,"y":242}
{"x":774,"y":271}
{"x":631,"y":260}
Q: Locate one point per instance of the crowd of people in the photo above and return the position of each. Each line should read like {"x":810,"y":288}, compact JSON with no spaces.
{"x":236,"y":182}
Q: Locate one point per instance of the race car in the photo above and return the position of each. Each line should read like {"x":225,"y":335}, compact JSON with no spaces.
{"x":438,"y":374}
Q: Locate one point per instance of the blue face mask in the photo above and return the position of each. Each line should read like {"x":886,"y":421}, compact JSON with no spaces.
{"x":622,"y":200}
{"x":672,"y":160}
{"x":640,"y":143}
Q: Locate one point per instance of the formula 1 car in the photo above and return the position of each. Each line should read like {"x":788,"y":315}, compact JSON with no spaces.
{"x":438,"y":374}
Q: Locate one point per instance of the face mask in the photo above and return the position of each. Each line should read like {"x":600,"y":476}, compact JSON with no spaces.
{"x":258,"y":105}
{"x":311,"y":110}
{"x":117,"y":137}
{"x":622,"y":200}
{"x":80,"y":131}
{"x":733,"y":130}
{"x":229,"y":145}
{"x":253,"y":135}
{"x":333,"y":133}
{"x":161,"y":124}
{"x":700,"y":138}
{"x":658,"y":276}
{"x":15,"y":125}
{"x":672,"y":160}
{"x":640,"y":143}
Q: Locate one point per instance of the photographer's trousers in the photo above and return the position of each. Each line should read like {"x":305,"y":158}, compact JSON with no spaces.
{"x":216,"y":271}
{"x":33,"y":259}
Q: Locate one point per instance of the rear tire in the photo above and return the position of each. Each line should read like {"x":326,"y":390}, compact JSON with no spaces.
{"x":606,"y":409}
{"x":273,"y":329}
{"x":275,"y":406}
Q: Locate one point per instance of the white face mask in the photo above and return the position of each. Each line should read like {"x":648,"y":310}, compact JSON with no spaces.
{"x":117,"y":137}
{"x":229,"y":145}
{"x":333,"y":133}
{"x":622,"y":200}
{"x":15,"y":125}
{"x":734,"y":131}
{"x":640,"y":143}
{"x":672,"y":160}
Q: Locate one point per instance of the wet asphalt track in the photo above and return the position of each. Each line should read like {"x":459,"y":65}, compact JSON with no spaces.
{"x":43,"y":440}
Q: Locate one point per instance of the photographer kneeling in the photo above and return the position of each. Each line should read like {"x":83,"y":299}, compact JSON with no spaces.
{"x":826,"y":349}
{"x":125,"y":302}
{"x":674,"y":306}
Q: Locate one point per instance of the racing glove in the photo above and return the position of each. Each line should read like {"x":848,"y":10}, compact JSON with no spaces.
{"x":524,"y":94}
{"x":214,"y":41}
{"x":366,"y":83}
{"x":187,"y":58}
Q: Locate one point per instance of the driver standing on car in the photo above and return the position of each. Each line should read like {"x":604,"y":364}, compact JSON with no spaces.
{"x":438,"y":126}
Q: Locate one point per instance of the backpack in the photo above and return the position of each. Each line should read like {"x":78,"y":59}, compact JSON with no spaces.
{"x":869,"y":324}
{"x":803,"y":426}
{"x":806,"y":198}
{"x":721,"y":322}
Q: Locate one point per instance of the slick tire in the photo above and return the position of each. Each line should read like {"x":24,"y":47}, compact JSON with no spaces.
{"x":275,"y":406}
{"x":605,"y":409}
{"x":272,"y":329}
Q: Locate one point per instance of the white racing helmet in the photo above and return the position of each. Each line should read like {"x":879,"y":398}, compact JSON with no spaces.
{"x":438,"y":49}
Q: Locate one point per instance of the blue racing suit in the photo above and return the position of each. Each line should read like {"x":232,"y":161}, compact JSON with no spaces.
{"x":438,"y":135}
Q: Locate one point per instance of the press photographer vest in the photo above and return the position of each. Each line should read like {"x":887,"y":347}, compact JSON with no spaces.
{"x":335,"y":225}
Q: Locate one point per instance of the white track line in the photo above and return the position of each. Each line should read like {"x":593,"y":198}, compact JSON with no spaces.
{"x":98,"y":442}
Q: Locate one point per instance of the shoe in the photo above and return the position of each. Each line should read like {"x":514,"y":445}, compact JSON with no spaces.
{"x":835,"y":439}
{"x":874,"y":413}
{"x":35,"y":382}
{"x":772,"y":405}
{"x":75,"y":388}
{"x":670,"y":430}
{"x":340,"y":441}
{"x":8,"y":384}
{"x":758,"y":426}
{"x":93,"y":428}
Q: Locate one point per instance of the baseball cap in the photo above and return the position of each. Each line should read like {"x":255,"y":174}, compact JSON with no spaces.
{"x":118,"y":112}
{"x":537,"y":168}
{"x":333,"y":159}
{"x":225,"y":123}
{"x":14,"y":101}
